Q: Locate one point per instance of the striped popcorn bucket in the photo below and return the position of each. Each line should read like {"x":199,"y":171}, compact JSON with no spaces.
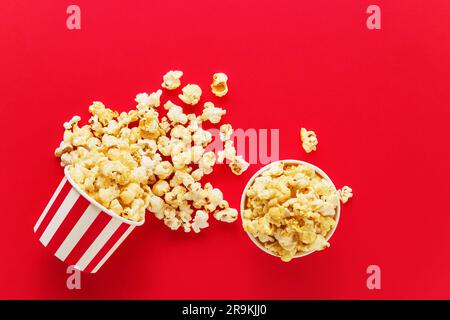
{"x":78,"y":230}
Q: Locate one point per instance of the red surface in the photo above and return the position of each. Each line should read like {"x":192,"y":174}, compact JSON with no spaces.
{"x":378,"y":100}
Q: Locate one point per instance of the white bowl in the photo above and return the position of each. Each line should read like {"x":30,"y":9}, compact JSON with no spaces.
{"x":258,"y":173}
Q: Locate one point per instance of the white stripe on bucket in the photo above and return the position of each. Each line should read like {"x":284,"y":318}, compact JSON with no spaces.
{"x":50,"y":203}
{"x":77,"y":232}
{"x":96,"y":246}
{"x":59,"y":216}
{"x":113,"y":248}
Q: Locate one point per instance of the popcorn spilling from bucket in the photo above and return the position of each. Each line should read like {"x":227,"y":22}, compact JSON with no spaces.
{"x":137,"y":161}
{"x":118,"y":166}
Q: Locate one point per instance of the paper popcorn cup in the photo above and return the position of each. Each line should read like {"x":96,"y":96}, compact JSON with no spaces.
{"x":78,"y":230}
{"x":257,"y":174}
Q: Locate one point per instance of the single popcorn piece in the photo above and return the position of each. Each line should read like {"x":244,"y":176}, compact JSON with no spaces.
{"x":66,"y":160}
{"x":226,"y":215}
{"x":63,"y":148}
{"x":290,"y":209}
{"x":211,"y":113}
{"x":160,"y":188}
{"x":226,"y":130}
{"x":175,"y":113}
{"x":219,"y":85}
{"x":207,"y":162}
{"x":139,"y":160}
{"x":145,"y":100}
{"x":171,"y":80}
{"x":191,"y":94}
{"x":345,"y":194}
{"x":238,"y":165}
{"x":228,"y":152}
{"x":74,"y":121}
{"x":200,"y":221}
{"x":309,"y":140}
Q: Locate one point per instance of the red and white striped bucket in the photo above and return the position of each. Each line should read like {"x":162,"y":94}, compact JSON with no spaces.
{"x":78,"y":230}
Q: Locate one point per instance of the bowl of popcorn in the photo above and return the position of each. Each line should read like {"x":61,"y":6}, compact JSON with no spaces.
{"x":290,"y":208}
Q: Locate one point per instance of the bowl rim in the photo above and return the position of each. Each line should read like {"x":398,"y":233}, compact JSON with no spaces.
{"x":97,"y":204}
{"x":265,"y":168}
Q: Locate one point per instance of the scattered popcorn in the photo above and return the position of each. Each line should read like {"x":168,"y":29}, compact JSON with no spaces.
{"x":309,"y":140}
{"x":290,"y":210}
{"x":219,"y":85}
{"x":345,"y":194}
{"x":171,"y":80}
{"x":137,"y":161}
{"x":191,"y":94}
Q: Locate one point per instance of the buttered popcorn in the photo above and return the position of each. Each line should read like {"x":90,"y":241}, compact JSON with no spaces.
{"x":135,"y":161}
{"x":309,"y":140}
{"x":219,"y":86}
{"x":191,"y":94}
{"x":171,"y":80}
{"x":291,"y":209}
{"x":345,"y":194}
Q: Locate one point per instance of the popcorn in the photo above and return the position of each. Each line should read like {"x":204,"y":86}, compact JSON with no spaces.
{"x":106,"y":195}
{"x":171,"y":80}
{"x":219,"y":85}
{"x":201,"y":137}
{"x":228,"y":153}
{"x":345,"y":194}
{"x":132,"y":191}
{"x":212,"y":113}
{"x":215,"y":198}
{"x":309,"y":140}
{"x":74,"y":121}
{"x":160,"y":188}
{"x":191,"y":94}
{"x":175,"y":113}
{"x":197,"y":153}
{"x":200,"y":221}
{"x":226,"y":130}
{"x":116,"y":207}
{"x":238,"y":165}
{"x":207,"y":162}
{"x":63,"y":148}
{"x":290,"y":209}
{"x":197,"y":174}
{"x":103,"y":114}
{"x":66,"y":159}
{"x":136,"y":211}
{"x":146,"y":101}
{"x":226,"y":215}
{"x":137,"y":160}
{"x":156,"y":206}
{"x":163,"y":169}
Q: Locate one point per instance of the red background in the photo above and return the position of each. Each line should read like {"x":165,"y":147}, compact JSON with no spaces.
{"x":378,"y":100}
